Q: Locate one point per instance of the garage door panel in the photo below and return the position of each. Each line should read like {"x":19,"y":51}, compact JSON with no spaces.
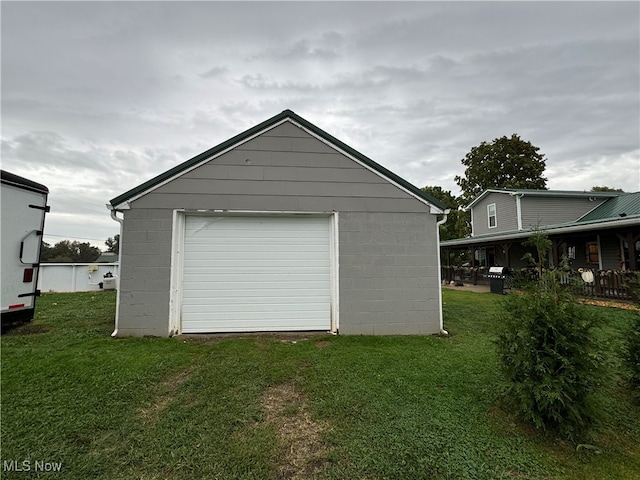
{"x":270,"y":237}
{"x":235,"y":248}
{"x":256,"y":274}
{"x":247,"y":266}
{"x":230,"y":326}
{"x":276,"y":280}
{"x":319,"y":264}
{"x":265,"y":305}
{"x":202,"y":225}
{"x":265,"y":323}
{"x":265,"y":317}
{"x":235,"y":296}
{"x":315,"y":308}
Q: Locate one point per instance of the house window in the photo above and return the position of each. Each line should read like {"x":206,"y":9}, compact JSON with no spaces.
{"x":571,"y":252}
{"x":491,"y":213}
{"x":592,"y":253}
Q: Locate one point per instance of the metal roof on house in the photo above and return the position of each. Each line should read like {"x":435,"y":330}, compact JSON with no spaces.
{"x":624,"y":205}
{"x":267,"y":124}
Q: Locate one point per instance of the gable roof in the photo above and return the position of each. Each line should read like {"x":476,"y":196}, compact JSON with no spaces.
{"x":286,"y":115}
{"x":542,"y":193}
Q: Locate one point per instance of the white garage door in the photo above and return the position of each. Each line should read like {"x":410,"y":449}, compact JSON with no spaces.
{"x":256,"y":274}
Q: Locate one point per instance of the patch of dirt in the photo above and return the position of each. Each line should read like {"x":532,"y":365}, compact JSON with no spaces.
{"x":304,"y":455}
{"x":167,"y":388}
{"x":322,"y":343}
{"x":25,"y":329}
{"x":611,"y":304}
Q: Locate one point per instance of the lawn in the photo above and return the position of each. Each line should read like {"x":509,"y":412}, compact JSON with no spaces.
{"x":266,"y":407}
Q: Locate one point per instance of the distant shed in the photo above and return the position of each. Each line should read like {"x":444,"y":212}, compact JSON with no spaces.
{"x":281,"y":228}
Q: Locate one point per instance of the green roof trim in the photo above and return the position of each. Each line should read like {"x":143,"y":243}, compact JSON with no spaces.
{"x":286,"y":114}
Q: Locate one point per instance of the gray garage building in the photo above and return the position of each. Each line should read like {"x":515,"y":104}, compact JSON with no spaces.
{"x":281,"y":228}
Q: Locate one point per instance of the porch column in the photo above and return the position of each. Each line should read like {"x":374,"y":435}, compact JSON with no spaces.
{"x":631,"y":240}
{"x":633,"y":264}
{"x":554,"y":253}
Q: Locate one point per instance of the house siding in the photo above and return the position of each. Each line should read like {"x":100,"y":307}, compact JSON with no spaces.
{"x":272,"y":173}
{"x":541,"y":211}
{"x":505,"y":212}
{"x":387,"y":241}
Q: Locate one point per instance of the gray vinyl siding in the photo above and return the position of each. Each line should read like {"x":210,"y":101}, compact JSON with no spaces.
{"x":554,"y":211}
{"x":387,"y":244}
{"x":505,"y":212}
{"x":273,"y":172}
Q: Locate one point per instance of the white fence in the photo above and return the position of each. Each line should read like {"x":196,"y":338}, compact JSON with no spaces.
{"x":75,"y":277}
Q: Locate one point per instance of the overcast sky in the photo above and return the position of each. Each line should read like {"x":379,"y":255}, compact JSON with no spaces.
{"x":100,"y":97}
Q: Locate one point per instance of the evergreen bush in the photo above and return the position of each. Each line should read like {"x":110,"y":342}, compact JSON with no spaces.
{"x":549,"y":356}
{"x":633,"y":357}
{"x":632,"y":353}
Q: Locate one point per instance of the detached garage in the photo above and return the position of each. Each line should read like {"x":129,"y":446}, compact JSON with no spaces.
{"x":281,"y":228}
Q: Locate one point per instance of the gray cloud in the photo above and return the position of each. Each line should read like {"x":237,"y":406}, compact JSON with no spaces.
{"x":214,"y":72}
{"x":99,"y":97}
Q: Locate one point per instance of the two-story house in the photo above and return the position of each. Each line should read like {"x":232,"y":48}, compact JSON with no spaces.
{"x":594,"y":230}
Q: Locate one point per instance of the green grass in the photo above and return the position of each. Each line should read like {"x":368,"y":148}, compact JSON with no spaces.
{"x":390,"y":407}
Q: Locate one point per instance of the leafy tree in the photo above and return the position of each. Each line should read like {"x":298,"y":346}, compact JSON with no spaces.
{"x":458,"y":224}
{"x":46,"y":252}
{"x":69,"y":252}
{"x":606,"y":189}
{"x":113,"y":244}
{"x":507,"y":162}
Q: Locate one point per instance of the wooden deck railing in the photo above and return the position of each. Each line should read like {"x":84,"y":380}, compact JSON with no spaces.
{"x":613,"y":284}
{"x":605,"y":284}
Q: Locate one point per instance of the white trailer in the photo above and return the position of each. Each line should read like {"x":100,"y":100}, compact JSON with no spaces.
{"x":23,"y":204}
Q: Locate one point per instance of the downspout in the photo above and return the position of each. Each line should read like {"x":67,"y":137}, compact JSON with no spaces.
{"x":121,"y":222}
{"x":441,"y":222}
{"x":600,"y":253}
{"x":519,"y":210}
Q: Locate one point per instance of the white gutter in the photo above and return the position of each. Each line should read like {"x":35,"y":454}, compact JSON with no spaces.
{"x":113,"y":212}
{"x":441,"y":222}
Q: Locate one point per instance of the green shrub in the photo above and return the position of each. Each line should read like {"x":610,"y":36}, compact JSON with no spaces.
{"x":549,"y":357}
{"x":633,"y":357}
{"x":632,"y":348}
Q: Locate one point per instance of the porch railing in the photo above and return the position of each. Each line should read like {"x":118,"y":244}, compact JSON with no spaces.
{"x":606,"y":284}
{"x":589,"y":283}
{"x":474,"y":275}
